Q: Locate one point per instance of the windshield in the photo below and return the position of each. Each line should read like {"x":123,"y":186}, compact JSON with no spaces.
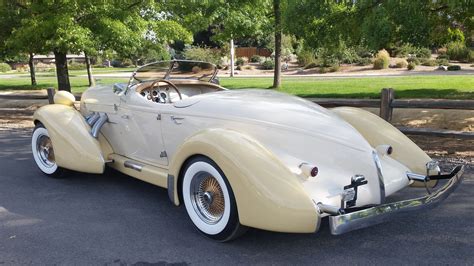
{"x":175,"y":69}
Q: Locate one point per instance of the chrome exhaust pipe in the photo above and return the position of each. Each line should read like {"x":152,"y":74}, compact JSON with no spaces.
{"x":102,"y":118}
{"x":92,"y":119}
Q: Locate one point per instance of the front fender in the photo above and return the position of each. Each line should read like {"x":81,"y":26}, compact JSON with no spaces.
{"x":74,"y":147}
{"x":268,"y":195}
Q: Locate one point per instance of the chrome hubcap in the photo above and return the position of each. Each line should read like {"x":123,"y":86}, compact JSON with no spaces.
{"x":207,"y":198}
{"x":45,"y":152}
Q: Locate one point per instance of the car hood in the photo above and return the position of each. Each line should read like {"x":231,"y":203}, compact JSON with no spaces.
{"x":278,"y":110}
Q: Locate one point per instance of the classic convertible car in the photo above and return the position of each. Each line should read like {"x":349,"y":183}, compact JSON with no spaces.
{"x":239,"y":158}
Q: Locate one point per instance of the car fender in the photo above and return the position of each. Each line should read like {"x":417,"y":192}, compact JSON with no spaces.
{"x":268,"y":195}
{"x":378,"y":132}
{"x":74,"y":146}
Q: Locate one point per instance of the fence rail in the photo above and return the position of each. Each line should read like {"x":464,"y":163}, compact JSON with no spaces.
{"x":386,"y":103}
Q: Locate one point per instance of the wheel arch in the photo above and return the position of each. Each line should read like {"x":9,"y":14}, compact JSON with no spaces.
{"x":268,"y":195}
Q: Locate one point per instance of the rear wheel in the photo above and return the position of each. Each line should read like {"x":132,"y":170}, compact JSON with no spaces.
{"x":43,"y":152}
{"x":210,"y":201}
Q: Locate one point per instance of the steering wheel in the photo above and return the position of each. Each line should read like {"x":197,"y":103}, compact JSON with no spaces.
{"x":168,"y":100}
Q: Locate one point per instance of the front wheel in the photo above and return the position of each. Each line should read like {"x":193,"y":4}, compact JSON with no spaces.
{"x":43,"y":152}
{"x":210,"y":201}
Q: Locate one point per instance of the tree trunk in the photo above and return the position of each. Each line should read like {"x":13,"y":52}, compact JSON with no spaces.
{"x":31,"y":64}
{"x":277,"y":73}
{"x":62,"y":72}
{"x":89,"y":70}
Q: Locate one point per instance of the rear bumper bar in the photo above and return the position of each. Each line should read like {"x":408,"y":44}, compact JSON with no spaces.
{"x":344,"y":223}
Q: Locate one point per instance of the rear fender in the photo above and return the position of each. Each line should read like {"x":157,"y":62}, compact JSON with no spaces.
{"x":378,"y":131}
{"x":74,"y":146}
{"x":268,"y":195}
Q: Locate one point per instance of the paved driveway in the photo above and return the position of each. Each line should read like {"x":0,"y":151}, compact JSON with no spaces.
{"x":113,"y":219}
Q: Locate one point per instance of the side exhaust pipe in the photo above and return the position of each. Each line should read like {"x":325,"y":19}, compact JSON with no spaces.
{"x":97,"y":125}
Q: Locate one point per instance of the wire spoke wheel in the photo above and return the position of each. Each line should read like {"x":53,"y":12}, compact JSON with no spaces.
{"x":207,"y":198}
{"x":43,"y":152}
{"x":44,"y":148}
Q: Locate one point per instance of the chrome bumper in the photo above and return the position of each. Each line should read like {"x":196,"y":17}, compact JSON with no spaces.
{"x":344,"y":223}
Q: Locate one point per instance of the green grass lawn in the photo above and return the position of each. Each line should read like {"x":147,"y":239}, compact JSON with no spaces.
{"x":439,"y":86}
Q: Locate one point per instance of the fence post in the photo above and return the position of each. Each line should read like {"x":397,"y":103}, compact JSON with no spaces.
{"x":51,"y":93}
{"x":386,"y":97}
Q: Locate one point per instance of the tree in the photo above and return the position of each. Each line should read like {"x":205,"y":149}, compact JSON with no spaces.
{"x":14,"y":50}
{"x":278,"y":34}
{"x":75,"y":26}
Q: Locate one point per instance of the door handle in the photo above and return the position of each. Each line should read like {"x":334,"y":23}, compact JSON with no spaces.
{"x":125,"y":116}
{"x":178,"y":120}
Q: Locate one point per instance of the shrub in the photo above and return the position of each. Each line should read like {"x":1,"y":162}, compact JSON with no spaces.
{"x":458,"y":51}
{"x":442,"y":62}
{"x":202,"y":54}
{"x":76,"y":66}
{"x":256,"y":59}
{"x":334,"y":68}
{"x":4,"y":67}
{"x":412,"y":51}
{"x":428,"y":62}
{"x":454,"y":68}
{"x":411,"y":66}
{"x":379,"y":63}
{"x":240,"y":61}
{"x":305,"y":57}
{"x":402,"y":63}
{"x":268,"y":64}
{"x":364,"y":61}
{"x":248,"y":67}
{"x":311,"y":65}
{"x":414,"y":60}
{"x":382,"y":59}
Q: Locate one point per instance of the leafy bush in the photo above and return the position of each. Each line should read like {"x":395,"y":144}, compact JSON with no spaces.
{"x":364,"y":61}
{"x":402,"y":63}
{"x":311,"y":65}
{"x":4,"y":67}
{"x":382,"y":59}
{"x":429,"y":62}
{"x":305,"y":57}
{"x":454,"y":68}
{"x":379,"y":63}
{"x":256,"y":59}
{"x":202,"y":54}
{"x":76,"y":66}
{"x":414,"y":60}
{"x":442,"y":62}
{"x":412,"y":51}
{"x":458,"y":51}
{"x":268,"y":64}
{"x":411,"y":66}
{"x":241,"y":61}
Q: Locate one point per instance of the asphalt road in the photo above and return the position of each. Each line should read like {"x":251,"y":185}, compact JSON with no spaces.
{"x":116,"y":220}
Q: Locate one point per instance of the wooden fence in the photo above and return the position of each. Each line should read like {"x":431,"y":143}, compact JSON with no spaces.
{"x":386,"y":103}
{"x":251,"y":51}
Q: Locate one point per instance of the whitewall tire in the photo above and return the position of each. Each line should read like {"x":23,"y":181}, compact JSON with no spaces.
{"x":209,"y":200}
{"x":43,"y":152}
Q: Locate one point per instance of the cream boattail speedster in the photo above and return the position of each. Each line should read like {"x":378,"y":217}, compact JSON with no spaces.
{"x":239,"y":158}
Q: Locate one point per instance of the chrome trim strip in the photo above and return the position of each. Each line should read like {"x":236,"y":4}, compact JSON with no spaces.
{"x":98,"y":125}
{"x":378,"y":165}
{"x":133,"y":165}
{"x":360,"y":219}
